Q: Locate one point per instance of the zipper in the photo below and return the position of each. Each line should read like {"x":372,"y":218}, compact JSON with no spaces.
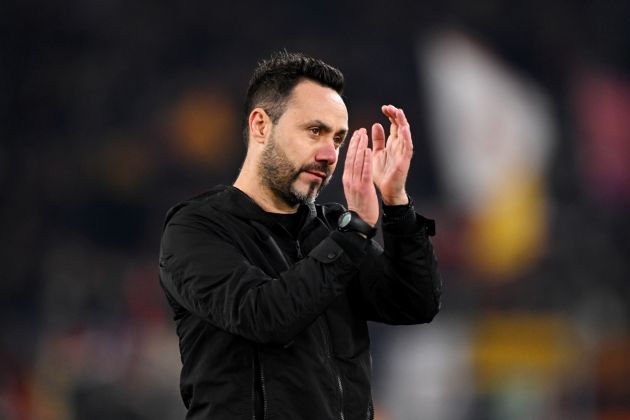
{"x":260,"y":391}
{"x":328,"y":346}
{"x":264,"y":391}
{"x":370,"y":415}
{"x":298,"y":250}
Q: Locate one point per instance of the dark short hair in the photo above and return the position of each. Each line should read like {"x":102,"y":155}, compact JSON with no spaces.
{"x":273,"y":81}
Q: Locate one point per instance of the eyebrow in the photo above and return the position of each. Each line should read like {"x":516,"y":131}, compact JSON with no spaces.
{"x":343,"y":132}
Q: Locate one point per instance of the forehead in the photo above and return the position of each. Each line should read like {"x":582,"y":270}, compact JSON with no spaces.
{"x":312,"y":101}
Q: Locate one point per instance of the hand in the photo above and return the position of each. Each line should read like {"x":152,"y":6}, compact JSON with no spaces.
{"x":392,"y":159}
{"x":357,"y":178}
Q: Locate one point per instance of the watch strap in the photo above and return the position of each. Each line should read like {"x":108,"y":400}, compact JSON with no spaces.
{"x":350,"y":221}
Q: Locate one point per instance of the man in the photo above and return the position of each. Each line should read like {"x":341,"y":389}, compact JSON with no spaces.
{"x":271,"y":292}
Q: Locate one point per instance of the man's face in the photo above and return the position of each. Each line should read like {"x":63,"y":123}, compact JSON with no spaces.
{"x":301,"y":153}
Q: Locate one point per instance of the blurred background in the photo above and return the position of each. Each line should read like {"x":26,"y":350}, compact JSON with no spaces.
{"x":112,"y":111}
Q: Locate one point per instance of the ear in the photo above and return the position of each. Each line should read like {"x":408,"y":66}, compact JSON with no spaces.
{"x":260,"y":125}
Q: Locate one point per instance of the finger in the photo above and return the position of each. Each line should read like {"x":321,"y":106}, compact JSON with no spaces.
{"x":406,"y":139}
{"x":389,"y":111}
{"x":393,"y":135}
{"x":404,"y":132}
{"x":401,"y":117}
{"x":366,"y":175}
{"x":360,"y":156}
{"x":350,"y":157}
{"x":378,"y":137}
{"x":408,"y":149}
{"x":392,"y":113}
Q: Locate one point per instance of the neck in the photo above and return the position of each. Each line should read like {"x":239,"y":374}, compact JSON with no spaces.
{"x":250,"y":183}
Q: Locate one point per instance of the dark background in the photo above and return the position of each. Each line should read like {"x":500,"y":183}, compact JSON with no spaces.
{"x":112,"y":111}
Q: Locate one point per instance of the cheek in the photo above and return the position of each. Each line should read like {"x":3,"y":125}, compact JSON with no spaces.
{"x":301,"y":153}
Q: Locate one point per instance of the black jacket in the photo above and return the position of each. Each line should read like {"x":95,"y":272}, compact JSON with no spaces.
{"x":275,"y":328}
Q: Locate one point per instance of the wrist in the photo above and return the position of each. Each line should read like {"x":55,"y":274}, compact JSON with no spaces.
{"x":350,"y":221}
{"x":401,"y":199}
{"x":367,"y":220}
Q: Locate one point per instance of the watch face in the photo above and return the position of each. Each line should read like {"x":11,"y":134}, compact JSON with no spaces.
{"x":345,"y":219}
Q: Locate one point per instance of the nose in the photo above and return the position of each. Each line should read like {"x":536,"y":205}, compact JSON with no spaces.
{"x":327,"y":153}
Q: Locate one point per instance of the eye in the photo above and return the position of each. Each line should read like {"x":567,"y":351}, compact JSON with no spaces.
{"x":315,"y":131}
{"x":338,"y":141}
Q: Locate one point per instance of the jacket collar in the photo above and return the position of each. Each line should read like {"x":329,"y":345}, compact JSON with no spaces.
{"x":236,"y":202}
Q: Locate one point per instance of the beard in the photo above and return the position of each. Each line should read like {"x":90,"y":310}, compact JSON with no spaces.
{"x":279,"y":175}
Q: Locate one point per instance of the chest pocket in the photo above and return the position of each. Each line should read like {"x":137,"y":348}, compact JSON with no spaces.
{"x":261,"y":249}
{"x":271,"y":257}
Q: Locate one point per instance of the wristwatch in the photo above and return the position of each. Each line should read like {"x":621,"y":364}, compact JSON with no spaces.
{"x":351,"y":222}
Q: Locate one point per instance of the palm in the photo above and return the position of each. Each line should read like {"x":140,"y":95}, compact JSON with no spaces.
{"x":389,"y":170}
{"x":358,"y":180}
{"x":392,"y":158}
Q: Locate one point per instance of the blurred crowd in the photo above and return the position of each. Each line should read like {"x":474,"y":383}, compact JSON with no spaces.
{"x":112,"y":111}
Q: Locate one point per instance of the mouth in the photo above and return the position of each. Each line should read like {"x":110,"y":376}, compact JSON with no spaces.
{"x":318,"y":174}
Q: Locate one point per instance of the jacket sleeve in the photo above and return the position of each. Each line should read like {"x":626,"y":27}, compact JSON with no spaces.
{"x":401,"y":284}
{"x":208,"y":275}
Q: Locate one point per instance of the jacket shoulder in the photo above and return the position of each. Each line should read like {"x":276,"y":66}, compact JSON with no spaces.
{"x":196,"y":208}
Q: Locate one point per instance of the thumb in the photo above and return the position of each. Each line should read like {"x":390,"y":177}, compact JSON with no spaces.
{"x":378,"y":137}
